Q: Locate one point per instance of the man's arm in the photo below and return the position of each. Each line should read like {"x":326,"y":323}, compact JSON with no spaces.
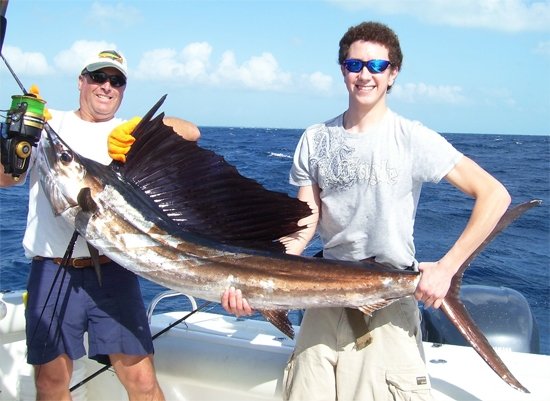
{"x":296,"y":243}
{"x":491,"y":201}
{"x":183,"y":128}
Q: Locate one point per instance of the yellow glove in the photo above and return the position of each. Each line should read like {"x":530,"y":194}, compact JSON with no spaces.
{"x":120,"y":139}
{"x":36,"y":92}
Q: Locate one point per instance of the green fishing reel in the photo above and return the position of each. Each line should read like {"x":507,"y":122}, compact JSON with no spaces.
{"x":20,"y":133}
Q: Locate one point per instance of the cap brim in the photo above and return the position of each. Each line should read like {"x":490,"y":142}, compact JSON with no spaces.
{"x":104,"y":64}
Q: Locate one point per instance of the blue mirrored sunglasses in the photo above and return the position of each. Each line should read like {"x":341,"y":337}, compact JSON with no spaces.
{"x":373,"y":66}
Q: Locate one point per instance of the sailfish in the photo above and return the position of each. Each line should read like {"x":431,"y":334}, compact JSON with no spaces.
{"x":181,"y":216}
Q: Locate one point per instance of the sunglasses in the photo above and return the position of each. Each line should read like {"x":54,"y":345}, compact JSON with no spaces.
{"x":101,"y":77}
{"x":374,"y":66}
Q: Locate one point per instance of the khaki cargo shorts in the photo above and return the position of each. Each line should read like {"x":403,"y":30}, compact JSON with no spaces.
{"x":326,"y":365}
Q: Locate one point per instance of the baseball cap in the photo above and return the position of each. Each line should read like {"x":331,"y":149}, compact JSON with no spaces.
{"x":107,"y":58}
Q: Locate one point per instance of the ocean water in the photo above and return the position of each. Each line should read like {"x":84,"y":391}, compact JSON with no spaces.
{"x":519,"y":258}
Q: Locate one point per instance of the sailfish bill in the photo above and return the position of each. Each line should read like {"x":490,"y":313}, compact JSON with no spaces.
{"x":182,"y":217}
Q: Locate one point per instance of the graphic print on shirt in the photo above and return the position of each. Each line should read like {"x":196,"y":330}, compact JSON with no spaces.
{"x":340,"y":165}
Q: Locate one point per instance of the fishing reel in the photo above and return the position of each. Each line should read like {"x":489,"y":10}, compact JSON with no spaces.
{"x":20,"y":133}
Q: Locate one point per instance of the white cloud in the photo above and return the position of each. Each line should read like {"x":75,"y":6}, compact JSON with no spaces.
{"x":259,"y":72}
{"x":319,"y":82}
{"x":72,"y":60}
{"x":26,"y":63}
{"x":502,"y":15}
{"x":189,"y":65}
{"x":193,"y":65}
{"x":412,"y":93}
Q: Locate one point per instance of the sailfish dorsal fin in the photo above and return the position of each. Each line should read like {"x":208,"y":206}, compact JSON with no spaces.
{"x":205,"y":195}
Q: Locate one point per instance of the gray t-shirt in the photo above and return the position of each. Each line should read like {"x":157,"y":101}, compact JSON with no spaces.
{"x":370,"y":184}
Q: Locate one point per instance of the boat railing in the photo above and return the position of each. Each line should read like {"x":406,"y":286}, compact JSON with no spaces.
{"x":167,"y":294}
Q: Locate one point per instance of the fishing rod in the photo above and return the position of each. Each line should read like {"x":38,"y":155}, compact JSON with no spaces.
{"x":63,"y":266}
{"x":18,"y":135}
{"x":21,"y":131}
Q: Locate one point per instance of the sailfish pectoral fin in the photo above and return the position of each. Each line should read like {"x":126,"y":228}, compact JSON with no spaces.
{"x":87,"y":208}
{"x":373,"y":307}
{"x":279,"y":318}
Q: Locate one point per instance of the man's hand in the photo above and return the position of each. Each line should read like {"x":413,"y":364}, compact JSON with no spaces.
{"x":36,"y":92}
{"x":233,"y":302}
{"x":120,"y":139}
{"x":434,"y":283}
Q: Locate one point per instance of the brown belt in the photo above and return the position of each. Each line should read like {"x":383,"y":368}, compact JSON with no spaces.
{"x":77,"y":263}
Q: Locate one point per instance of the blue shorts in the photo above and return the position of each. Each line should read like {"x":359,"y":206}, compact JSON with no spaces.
{"x":113,"y":315}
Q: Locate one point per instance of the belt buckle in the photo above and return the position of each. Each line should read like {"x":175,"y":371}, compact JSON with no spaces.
{"x":80,"y":262}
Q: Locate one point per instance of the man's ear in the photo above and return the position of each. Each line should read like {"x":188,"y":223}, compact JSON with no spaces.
{"x":394,"y":72}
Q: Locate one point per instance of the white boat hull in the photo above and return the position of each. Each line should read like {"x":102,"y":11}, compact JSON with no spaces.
{"x":216,"y":357}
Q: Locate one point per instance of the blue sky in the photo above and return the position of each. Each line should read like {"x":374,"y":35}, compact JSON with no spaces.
{"x":470,"y":66}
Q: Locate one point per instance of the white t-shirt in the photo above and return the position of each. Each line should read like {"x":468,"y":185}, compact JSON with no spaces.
{"x":370,"y":184}
{"x":47,"y":235}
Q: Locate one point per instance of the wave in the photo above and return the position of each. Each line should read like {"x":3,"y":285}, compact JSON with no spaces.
{"x":280,"y":155}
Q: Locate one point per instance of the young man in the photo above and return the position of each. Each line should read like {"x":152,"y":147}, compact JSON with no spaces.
{"x":113,"y":314}
{"x":362,"y":171}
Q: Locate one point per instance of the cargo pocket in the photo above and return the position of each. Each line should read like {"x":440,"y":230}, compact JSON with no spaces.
{"x":409,"y":385}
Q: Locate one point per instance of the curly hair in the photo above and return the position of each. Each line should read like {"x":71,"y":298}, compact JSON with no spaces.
{"x":372,"y":32}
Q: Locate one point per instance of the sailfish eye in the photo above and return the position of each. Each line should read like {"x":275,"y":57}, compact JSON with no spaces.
{"x":66,"y":157}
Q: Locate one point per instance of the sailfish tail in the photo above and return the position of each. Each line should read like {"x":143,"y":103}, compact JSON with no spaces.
{"x":455,"y":311}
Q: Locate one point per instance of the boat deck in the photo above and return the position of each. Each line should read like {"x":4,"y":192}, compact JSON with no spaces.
{"x":216,"y":357}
